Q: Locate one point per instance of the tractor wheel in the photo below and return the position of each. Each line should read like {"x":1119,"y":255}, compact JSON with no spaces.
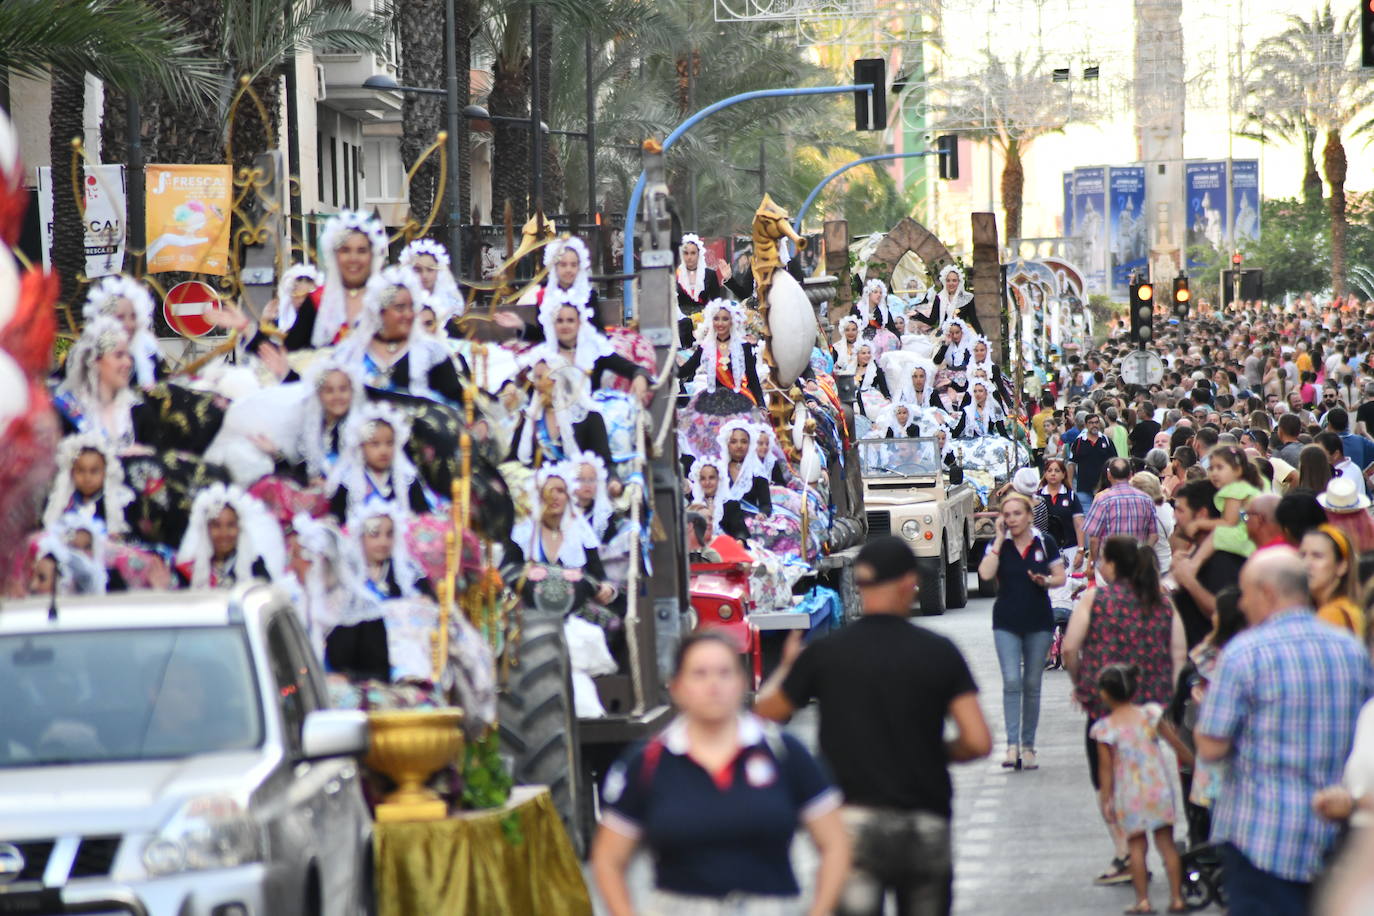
{"x":539,"y":724}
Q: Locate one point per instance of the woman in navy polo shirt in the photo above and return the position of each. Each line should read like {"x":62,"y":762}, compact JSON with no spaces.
{"x":1026,"y":564}
{"x":716,"y":798}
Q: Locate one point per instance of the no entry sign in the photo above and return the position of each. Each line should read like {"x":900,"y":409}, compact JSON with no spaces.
{"x":188,"y":306}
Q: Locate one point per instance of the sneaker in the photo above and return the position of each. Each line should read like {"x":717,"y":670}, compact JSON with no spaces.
{"x":1119,"y":872}
{"x":1028,"y":761}
{"x":1013,"y":759}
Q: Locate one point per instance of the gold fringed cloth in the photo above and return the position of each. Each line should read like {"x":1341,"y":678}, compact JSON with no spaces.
{"x":474,"y":864}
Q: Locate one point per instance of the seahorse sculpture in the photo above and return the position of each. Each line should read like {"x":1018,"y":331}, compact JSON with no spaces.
{"x":780,"y":300}
{"x":770,"y":227}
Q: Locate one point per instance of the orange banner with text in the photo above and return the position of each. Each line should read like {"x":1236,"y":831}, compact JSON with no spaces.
{"x":188,"y":218}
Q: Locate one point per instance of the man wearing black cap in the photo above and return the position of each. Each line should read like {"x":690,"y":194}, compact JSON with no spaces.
{"x":885,"y":686}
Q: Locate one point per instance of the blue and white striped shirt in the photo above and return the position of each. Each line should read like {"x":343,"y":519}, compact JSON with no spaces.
{"x":1286,"y":695}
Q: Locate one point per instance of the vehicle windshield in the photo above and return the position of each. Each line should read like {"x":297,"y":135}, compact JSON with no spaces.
{"x":97,"y":696}
{"x":899,"y":457}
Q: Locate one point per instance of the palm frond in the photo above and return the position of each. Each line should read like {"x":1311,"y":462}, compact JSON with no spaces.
{"x":126,"y":43}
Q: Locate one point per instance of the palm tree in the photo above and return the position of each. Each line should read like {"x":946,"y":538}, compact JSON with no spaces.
{"x":422,"y":116}
{"x":1313,"y":82}
{"x":127,"y":44}
{"x":1010,"y":104}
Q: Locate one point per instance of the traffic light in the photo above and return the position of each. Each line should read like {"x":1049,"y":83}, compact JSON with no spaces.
{"x":870,"y":107}
{"x":1142,"y":312}
{"x":1182,"y":297}
{"x":1367,"y":33}
{"x":947,"y":146}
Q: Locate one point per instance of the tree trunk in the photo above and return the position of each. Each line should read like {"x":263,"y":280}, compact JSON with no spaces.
{"x":1013,"y":185}
{"x":181,"y":133}
{"x":114,"y":127}
{"x":68,"y":232}
{"x":510,"y":161}
{"x":1311,"y":180}
{"x":1333,"y":158}
{"x":251,"y":135}
{"x":422,"y":116}
{"x":554,"y":183}
{"x":463,"y":10}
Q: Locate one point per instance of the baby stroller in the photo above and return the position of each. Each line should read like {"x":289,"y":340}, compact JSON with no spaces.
{"x":1202,"y":877}
{"x":1061,"y":602}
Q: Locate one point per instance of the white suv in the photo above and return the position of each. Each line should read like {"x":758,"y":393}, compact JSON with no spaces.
{"x":173,"y":753}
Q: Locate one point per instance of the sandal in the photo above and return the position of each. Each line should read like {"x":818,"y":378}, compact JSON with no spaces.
{"x":1119,"y":872}
{"x":1028,"y":761}
{"x":1140,"y":908}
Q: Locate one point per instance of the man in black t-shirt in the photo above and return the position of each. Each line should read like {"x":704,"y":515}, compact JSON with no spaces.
{"x":885,"y":686}
{"x":1196,"y":596}
{"x":1089,"y":454}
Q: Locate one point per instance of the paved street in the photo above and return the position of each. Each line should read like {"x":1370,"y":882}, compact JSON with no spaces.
{"x":1027,"y":843}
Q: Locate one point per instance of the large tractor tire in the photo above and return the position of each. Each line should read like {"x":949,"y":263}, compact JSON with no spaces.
{"x":539,"y":725}
{"x":956,"y":581}
{"x":931,"y":573}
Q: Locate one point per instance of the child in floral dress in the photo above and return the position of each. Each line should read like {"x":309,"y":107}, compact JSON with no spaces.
{"x":1137,"y":793}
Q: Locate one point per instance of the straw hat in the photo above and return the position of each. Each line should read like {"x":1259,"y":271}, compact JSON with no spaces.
{"x":1342,"y":495}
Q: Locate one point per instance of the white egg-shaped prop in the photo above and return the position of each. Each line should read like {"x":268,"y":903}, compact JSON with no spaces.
{"x":791,"y":327}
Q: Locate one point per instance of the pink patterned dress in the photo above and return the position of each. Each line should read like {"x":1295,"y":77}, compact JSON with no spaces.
{"x":1143,"y":793}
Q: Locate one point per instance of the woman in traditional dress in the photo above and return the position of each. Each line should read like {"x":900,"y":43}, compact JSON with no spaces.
{"x":870,"y":382}
{"x":331,"y":594}
{"x":745,"y":478}
{"x":570,"y":335}
{"x":949,"y":300}
{"x":89,"y":484}
{"x":872,"y":309}
{"x":697,"y":285}
{"x":983,"y":416}
{"x":723,"y":357}
{"x":898,"y":421}
{"x":956,"y":351}
{"x":95,"y":397}
{"x":335,"y":388}
{"x":569,"y":282}
{"x":391,"y":350}
{"x":981,"y":366}
{"x":560,"y":419}
{"x":128,"y":302}
{"x":774,"y":471}
{"x":293,"y":289}
{"x":430,"y":262}
{"x":556,"y":534}
{"x":231,"y":539}
{"x":846,"y":344}
{"x":373,"y":465}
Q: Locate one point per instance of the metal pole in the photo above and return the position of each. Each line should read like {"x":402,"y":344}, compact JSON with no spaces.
{"x":589,"y":60}
{"x":632,"y":209}
{"x":536,"y":134}
{"x":134,"y":189}
{"x":296,"y":223}
{"x":691,"y":105}
{"x":815,"y":192}
{"x":763,"y":169}
{"x":457,"y":136}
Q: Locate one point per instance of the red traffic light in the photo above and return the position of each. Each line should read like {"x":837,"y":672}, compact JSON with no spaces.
{"x":1236,"y":259}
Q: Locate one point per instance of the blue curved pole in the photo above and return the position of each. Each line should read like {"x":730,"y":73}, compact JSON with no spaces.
{"x":815,"y":192}
{"x":632,"y":210}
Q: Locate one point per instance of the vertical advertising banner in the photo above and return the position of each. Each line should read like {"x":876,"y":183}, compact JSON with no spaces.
{"x":1245,"y":200}
{"x":1204,"y":189}
{"x":188,"y":218}
{"x":1129,"y":247}
{"x":1068,"y":205}
{"x":104,"y":217}
{"x":1090,"y":224}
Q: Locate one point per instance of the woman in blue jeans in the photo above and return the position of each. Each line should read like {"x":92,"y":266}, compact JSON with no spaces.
{"x":1026,"y":563}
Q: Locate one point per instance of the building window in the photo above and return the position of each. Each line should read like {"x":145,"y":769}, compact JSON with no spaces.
{"x":334,"y":171}
{"x":357,"y":173}
{"x":319,"y":167}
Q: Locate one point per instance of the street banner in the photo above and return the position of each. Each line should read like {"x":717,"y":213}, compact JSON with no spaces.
{"x":104,"y":219}
{"x":1129,"y":247}
{"x":1090,"y":224}
{"x":1068,"y":205}
{"x":1204,"y":188}
{"x":1245,"y":199}
{"x":188,"y":218}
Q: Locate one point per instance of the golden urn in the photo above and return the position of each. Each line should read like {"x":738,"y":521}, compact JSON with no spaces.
{"x":410,"y":745}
